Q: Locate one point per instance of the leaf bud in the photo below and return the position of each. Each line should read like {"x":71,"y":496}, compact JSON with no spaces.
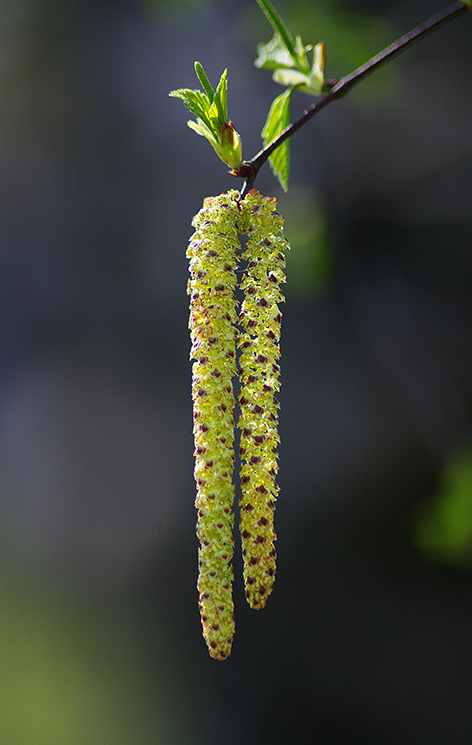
{"x":232,"y":146}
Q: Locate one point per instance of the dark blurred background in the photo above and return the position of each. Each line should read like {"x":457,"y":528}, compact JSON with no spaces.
{"x":367,"y":638}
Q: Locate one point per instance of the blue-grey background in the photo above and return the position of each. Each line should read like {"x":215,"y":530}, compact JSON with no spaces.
{"x":363,"y":640}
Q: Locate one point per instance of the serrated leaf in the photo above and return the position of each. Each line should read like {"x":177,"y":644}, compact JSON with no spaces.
{"x":289,"y":77}
{"x":210,"y":106}
{"x":315,"y":79}
{"x":274,"y":54}
{"x":301,"y":50}
{"x":279,"y":27}
{"x":206,"y":85}
{"x":219,"y":99}
{"x":278,"y":119}
{"x":201,"y":128}
{"x":195,"y":101}
{"x":211,"y":111}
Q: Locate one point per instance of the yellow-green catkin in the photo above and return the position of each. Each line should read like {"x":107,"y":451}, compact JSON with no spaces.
{"x":259,"y":343}
{"x":213,"y":254}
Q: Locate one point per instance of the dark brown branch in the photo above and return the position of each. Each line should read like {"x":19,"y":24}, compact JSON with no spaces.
{"x":250,"y":169}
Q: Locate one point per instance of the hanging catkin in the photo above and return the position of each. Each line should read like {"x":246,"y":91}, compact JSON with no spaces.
{"x":259,"y":375}
{"x":213,"y":254}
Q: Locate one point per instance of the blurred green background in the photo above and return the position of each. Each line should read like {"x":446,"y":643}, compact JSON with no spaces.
{"x":367,"y":637}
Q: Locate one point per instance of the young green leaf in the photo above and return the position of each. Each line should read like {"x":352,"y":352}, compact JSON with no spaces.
{"x":301,"y":54}
{"x":290,"y":77}
{"x":211,"y":111}
{"x":289,"y":59}
{"x":206,"y":85}
{"x":201,"y":129}
{"x":220,"y":98}
{"x":279,"y":27}
{"x":274,"y":55}
{"x":313,"y":84}
{"x":278,"y":119}
{"x":315,"y":80}
{"x":196,"y":102}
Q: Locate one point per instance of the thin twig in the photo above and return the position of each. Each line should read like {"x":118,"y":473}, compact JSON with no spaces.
{"x":250,"y":168}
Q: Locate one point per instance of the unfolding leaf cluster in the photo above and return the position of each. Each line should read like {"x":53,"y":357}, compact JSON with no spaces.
{"x":288,"y":58}
{"x":211,"y":110}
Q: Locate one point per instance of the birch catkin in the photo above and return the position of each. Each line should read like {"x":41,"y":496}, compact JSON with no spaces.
{"x":213,"y":254}
{"x":259,"y":375}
